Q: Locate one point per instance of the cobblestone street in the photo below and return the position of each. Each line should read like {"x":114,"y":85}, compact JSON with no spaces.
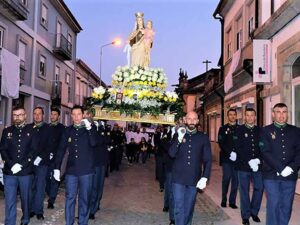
{"x":131,"y":197}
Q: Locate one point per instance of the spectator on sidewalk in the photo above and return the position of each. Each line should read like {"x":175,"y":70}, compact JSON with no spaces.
{"x":190,"y":150}
{"x":248,"y":165}
{"x":280,"y":148}
{"x":228,"y":158}
{"x":144,"y":149}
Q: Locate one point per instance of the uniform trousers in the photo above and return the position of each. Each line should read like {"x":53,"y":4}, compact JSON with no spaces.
{"x":229,"y":175}
{"x":97,"y":190}
{"x":250,"y":206}
{"x":38,"y":189}
{"x":81,"y":185}
{"x":280,"y":197}
{"x":11,"y":184}
{"x":184,"y":203}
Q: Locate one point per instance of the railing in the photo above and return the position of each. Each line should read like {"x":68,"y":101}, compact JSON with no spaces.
{"x":15,"y":8}
{"x":63,"y":47}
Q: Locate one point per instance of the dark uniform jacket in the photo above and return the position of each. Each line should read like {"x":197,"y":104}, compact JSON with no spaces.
{"x":226,"y":143}
{"x":280,"y":147}
{"x":55,"y":132}
{"x":189,"y":156}
{"x":41,"y":133}
{"x":80,"y":144}
{"x":165,"y":144}
{"x":18,"y":146}
{"x":101,"y":152}
{"x":247,"y":147}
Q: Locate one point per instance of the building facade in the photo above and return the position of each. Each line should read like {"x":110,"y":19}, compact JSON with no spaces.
{"x":86,"y":80}
{"x":42,"y":33}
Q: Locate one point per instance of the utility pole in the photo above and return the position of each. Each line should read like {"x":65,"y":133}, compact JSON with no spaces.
{"x":206,"y":62}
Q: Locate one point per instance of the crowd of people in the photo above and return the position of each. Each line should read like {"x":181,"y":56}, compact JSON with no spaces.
{"x":38,"y":156}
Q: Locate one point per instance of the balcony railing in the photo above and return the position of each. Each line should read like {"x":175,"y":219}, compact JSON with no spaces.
{"x":63,"y":47}
{"x":15,"y":8}
{"x":56,"y":92}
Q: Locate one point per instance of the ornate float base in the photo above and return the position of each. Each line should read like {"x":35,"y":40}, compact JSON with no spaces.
{"x":105,"y":114}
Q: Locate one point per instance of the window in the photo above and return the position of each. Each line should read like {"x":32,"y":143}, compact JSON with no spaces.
{"x":57,"y":72}
{"x":250,"y":26}
{"x":22,"y":53}
{"x":68,"y":77}
{"x":44,"y":16}
{"x":69,"y":42}
{"x":69,"y":94}
{"x":1,"y":36}
{"x":239,"y":40}
{"x":229,"y":50}
{"x":24,"y":2}
{"x":42,"y":67}
{"x":238,"y":31}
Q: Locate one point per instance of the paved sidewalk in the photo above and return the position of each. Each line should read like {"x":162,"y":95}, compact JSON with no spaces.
{"x":132,"y":197}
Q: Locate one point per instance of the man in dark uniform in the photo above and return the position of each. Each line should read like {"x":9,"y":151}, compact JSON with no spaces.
{"x":190,"y":151}
{"x":18,"y":150}
{"x":40,"y":163}
{"x":80,"y":139}
{"x":101,"y":161}
{"x":116,"y":142}
{"x":280,"y":148}
{"x":55,"y":132}
{"x":165,"y":144}
{"x":158,"y":157}
{"x":228,"y":158}
{"x":248,"y":166}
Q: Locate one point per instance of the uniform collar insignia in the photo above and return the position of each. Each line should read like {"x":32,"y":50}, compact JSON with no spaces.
{"x":54,"y":123}
{"x":249,"y":126}
{"x":38,"y":124}
{"x":78,"y":126}
{"x":20,"y":126}
{"x":194,"y":131}
{"x":278,"y":125}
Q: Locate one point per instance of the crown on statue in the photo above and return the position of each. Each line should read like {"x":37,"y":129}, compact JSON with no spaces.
{"x":139,"y":14}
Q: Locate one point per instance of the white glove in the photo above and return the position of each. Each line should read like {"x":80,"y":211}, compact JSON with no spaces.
{"x":1,"y":164}
{"x":87,"y":124}
{"x":37,"y":161}
{"x":286,"y":171}
{"x":232,"y":156}
{"x":102,"y":123}
{"x":51,"y":156}
{"x":56,"y":174}
{"x":202,"y":183}
{"x":254,"y":168}
{"x":253,"y":163}
{"x":96,"y":124}
{"x":110,"y":148}
{"x":181,"y":132}
{"x":173,"y":130}
{"x":16,"y":168}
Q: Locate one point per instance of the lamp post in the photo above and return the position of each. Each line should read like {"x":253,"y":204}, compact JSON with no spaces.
{"x":115,"y":42}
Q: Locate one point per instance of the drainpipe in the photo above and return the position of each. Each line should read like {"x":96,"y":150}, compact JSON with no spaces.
{"x":222,"y":105}
{"x":221,"y":65}
{"x":257,"y":13}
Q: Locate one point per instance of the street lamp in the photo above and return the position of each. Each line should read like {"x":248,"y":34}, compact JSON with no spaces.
{"x":116,"y":42}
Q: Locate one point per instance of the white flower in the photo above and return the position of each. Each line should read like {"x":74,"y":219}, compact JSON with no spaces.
{"x":126,"y":74}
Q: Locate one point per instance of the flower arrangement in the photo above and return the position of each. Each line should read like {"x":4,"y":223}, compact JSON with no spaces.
{"x":142,"y":90}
